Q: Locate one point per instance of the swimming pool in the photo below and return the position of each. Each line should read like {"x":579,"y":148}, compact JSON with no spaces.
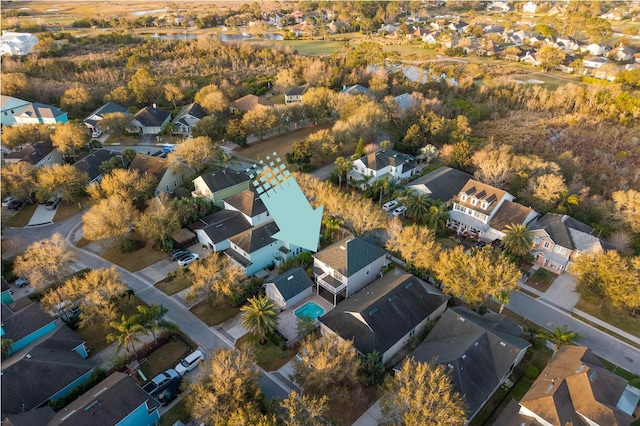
{"x":309,"y":309}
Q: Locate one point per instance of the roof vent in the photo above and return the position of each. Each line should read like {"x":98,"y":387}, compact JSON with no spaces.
{"x":549,"y":388}
{"x":28,"y":356}
{"x":409,"y":285}
{"x":290,"y":278}
{"x":476,"y":344}
{"x":342,"y":248}
{"x":450,"y":366}
{"x":593,"y":375}
{"x":464,"y":356}
{"x":92,"y":405}
{"x":462,"y":319}
{"x":503,"y":344}
{"x":373,"y":311}
{"x":580,"y":368}
{"x":68,"y":415}
{"x":393,"y":297}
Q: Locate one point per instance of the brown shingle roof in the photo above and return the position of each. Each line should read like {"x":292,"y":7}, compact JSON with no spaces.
{"x":248,"y":202}
{"x":508,"y":214}
{"x":250,"y":102}
{"x":148,"y":164}
{"x":481,"y":192}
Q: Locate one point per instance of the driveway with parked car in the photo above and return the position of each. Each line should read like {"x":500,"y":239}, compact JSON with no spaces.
{"x":42,"y":216}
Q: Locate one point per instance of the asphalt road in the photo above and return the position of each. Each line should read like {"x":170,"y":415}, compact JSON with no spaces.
{"x":602,"y":344}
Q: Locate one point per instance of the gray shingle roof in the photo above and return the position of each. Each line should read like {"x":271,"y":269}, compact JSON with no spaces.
{"x":20,"y":324}
{"x":32,"y":153}
{"x":387,"y":157}
{"x":350,"y":255}
{"x":379,"y":315}
{"x":255,"y":238}
{"x":224,"y":224}
{"x":92,"y":162}
{"x":443,"y":183}
{"x":121,"y":397}
{"x":248,"y":202}
{"x":108,"y":108}
{"x":557,"y":226}
{"x":149,"y":164}
{"x":193,"y":109}
{"x":225,"y":178}
{"x":38,"y":110}
{"x":151,"y":117}
{"x":291,"y":283}
{"x":40,"y":416}
{"x":298,"y":91}
{"x":477,"y":350}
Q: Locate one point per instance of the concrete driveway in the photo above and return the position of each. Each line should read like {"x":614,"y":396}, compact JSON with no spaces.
{"x":562,"y":291}
{"x":42,"y":216}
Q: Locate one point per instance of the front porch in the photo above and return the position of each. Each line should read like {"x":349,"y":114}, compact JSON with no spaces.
{"x":547,"y":261}
{"x":465,"y":225}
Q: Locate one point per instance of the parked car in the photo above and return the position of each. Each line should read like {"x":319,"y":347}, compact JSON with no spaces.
{"x":179,"y":253}
{"x":389,"y":205}
{"x":170,"y":392}
{"x":189,"y":362}
{"x":182,"y":256}
{"x":21,"y":283}
{"x":480,"y":244}
{"x":96,"y":133}
{"x":189,"y":259}
{"x":52,"y":203}
{"x":497,"y":243}
{"x":160,"y":382}
{"x":399,"y":211}
{"x":15,"y":205}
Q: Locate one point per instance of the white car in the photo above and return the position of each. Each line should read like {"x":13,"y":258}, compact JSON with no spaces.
{"x":188,"y":259}
{"x":389,"y":205}
{"x":399,"y":211}
{"x":96,"y":133}
{"x":189,"y":362}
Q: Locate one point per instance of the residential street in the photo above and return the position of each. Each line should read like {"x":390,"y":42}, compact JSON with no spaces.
{"x":601,"y":343}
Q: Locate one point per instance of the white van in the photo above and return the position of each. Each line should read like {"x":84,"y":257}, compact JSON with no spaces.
{"x":189,"y":362}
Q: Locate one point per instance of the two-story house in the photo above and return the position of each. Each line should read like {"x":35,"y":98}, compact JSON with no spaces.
{"x":250,"y":205}
{"x":187,"y":118}
{"x":347,"y":266}
{"x":38,"y":154}
{"x":9,"y":106}
{"x":384,"y":163}
{"x":93,"y":120}
{"x":17,"y":44}
{"x":558,"y":239}
{"x":295,"y":94}
{"x":256,"y":249}
{"x":214,"y":230}
{"x":221,"y":184}
{"x":37,"y":113}
{"x":482,"y":211}
{"x":168,"y":179}
{"x":384,"y":315}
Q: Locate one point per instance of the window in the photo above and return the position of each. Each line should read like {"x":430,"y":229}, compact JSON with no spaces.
{"x":546,"y":244}
{"x":167,"y":188}
{"x":175,"y":183}
{"x":463,"y":197}
{"x":484,"y":205}
{"x":560,"y":249}
{"x":412,"y":332}
{"x":474,"y":201}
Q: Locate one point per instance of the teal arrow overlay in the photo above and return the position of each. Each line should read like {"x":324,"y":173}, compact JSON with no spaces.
{"x":299,"y":223}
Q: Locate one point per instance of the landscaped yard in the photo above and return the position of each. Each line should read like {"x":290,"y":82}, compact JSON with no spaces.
{"x":214,"y":315}
{"x":541,"y":279}
{"x":176,"y":283}
{"x":269,"y":356}
{"x":345,"y":411}
{"x":177,"y":412}
{"x":609,"y":314}
{"x":68,"y":209}
{"x":447,"y":243}
{"x":279,"y":143}
{"x":96,"y":335}
{"x":133,"y":262}
{"x":21,"y":218}
{"x":165,"y":357}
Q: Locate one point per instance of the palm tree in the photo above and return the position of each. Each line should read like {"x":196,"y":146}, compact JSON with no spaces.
{"x":559,"y":336}
{"x":331,"y":224}
{"x":127,"y":333}
{"x":383,"y":185}
{"x":567,"y":202}
{"x":343,"y":167}
{"x":518,"y":240}
{"x":260,"y":316}
{"x":437,"y":216}
{"x":418,"y":206}
{"x":149,"y":317}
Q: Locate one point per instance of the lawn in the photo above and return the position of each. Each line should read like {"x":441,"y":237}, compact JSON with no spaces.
{"x":21,"y":218}
{"x":541,"y":279}
{"x":617,"y":318}
{"x":96,"y":336}
{"x":176,"y":283}
{"x":166,"y":356}
{"x":310,"y":47}
{"x":280,"y":143}
{"x":177,"y":412}
{"x":621,"y":372}
{"x":214,"y":315}
{"x":447,"y":243}
{"x":69,"y":209}
{"x":269,"y":356}
{"x":133,"y":262}
{"x":346,"y":410}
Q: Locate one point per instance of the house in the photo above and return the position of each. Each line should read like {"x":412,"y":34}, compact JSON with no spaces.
{"x":442,"y":184}
{"x":117,"y":400}
{"x":187,"y":118}
{"x":256,"y":249}
{"x":357,"y":89}
{"x":501,"y":6}
{"x":93,"y":120}
{"x":9,"y":107}
{"x":37,"y":154}
{"x":49,"y":371}
{"x":17,"y":44}
{"x":388,"y":28}
{"x":151,"y":120}
{"x":417,"y":32}
{"x":568,"y":44}
{"x":24,"y":325}
{"x":385,"y":314}
{"x":529,"y":58}
{"x":459,"y":27}
{"x":623,"y":53}
{"x":558,"y":239}
{"x":7,"y":294}
{"x":278,"y":19}
{"x":289,"y":288}
{"x":347,"y":266}
{"x":221,"y":184}
{"x":168,"y":179}
{"x":92,"y":162}
{"x":432,"y":37}
{"x":490,"y":49}
{"x":529,"y":7}
{"x":294,"y":95}
{"x":248,"y":103}
{"x":37,"y":113}
{"x":493,"y":29}
{"x":405,"y":101}
{"x":214,"y":230}
{"x":594,"y":62}
{"x":574,"y":388}
{"x":338,"y":27}
{"x":479,"y":352}
{"x":383,"y":163}
{"x":597,"y":49}
{"x":250,"y":205}
{"x":567,"y":65}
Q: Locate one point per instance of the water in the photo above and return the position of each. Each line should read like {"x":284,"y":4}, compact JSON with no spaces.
{"x":222,"y":37}
{"x":175,"y":36}
{"x":149,"y":12}
{"x":309,"y":309}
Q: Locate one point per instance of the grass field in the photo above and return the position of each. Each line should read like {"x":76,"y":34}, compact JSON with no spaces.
{"x":609,"y":314}
{"x":166,"y":356}
{"x":280,"y":143}
{"x":133,"y":262}
{"x":214,"y":315}
{"x":177,"y":412}
{"x":173,"y":285}
{"x":69,"y":209}
{"x":269,"y":356}
{"x":21,"y":218}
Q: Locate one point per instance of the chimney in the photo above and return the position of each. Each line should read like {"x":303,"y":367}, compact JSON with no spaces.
{"x":154,"y":105}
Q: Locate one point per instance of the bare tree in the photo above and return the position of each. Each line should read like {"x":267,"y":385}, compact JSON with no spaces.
{"x":45,"y":262}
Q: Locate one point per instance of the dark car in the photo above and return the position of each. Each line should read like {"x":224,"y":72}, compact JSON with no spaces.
{"x":170,"y":392}
{"x":52,"y":203}
{"x":15,"y":205}
{"x":176,"y":254}
{"x":480,"y":244}
{"x":497,"y":243}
